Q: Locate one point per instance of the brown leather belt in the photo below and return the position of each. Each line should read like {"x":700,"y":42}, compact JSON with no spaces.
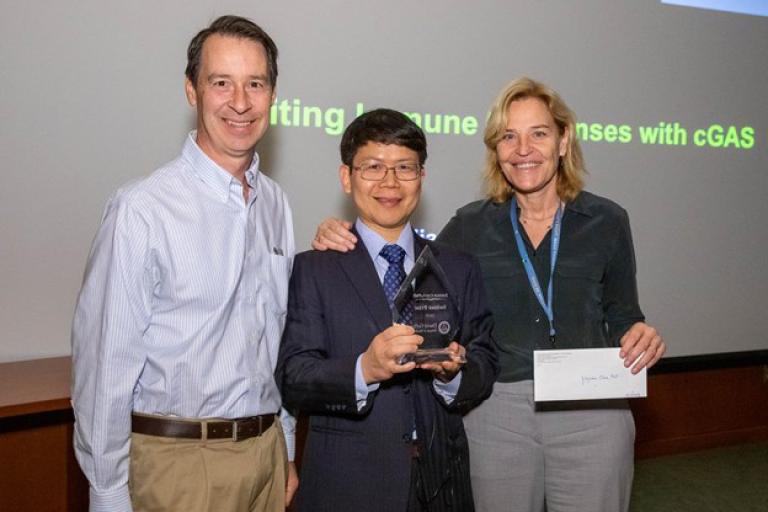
{"x":238,"y":429}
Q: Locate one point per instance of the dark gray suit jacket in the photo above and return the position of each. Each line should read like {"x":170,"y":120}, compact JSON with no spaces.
{"x":361,"y":460}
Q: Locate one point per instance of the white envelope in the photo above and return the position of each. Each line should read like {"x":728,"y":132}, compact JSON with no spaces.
{"x":584,"y":374}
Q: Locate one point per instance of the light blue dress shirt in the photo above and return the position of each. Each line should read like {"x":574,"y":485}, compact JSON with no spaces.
{"x":373,"y":242}
{"x":181,"y":311}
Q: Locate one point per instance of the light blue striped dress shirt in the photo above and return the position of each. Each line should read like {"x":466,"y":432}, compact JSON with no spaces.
{"x":181,"y":311}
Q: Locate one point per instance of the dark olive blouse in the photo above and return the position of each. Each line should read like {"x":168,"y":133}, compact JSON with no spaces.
{"x":595,"y":291}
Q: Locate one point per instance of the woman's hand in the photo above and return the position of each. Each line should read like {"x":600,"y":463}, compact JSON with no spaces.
{"x":641,"y":346}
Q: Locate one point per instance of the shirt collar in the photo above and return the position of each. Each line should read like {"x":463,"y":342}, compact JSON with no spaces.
{"x":211,"y":173}
{"x":374,"y":242}
{"x":580,"y":205}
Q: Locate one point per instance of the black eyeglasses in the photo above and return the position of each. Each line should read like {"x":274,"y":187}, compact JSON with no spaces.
{"x":377,"y":171}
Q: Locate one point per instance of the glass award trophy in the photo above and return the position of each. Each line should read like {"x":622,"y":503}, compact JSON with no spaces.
{"x":426,"y":300}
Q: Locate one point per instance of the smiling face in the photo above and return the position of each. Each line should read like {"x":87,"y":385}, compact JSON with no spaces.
{"x":530,"y":148}
{"x":233,"y":96}
{"x":384,"y":206}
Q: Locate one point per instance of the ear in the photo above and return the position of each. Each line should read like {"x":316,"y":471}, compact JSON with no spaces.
{"x":345,"y":177}
{"x":564,"y":141}
{"x":189,"y":89}
{"x":274,"y":97}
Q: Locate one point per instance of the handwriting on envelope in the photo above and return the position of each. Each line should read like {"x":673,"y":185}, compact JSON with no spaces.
{"x":584,"y":374}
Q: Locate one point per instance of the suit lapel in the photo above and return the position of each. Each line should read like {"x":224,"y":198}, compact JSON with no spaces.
{"x":362,"y":276}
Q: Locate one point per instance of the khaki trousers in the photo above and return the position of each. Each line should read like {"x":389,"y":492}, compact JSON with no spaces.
{"x":189,"y":475}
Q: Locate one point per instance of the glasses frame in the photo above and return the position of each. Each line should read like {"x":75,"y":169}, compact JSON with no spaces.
{"x":364,"y":167}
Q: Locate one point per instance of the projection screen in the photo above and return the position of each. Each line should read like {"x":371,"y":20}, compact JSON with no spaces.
{"x":670,"y":101}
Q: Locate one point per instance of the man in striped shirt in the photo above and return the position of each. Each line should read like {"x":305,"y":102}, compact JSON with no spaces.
{"x":178,"y":322}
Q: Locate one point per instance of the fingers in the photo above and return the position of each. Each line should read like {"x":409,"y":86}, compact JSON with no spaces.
{"x":396,"y":367}
{"x":292,"y":483}
{"x":397,"y":347}
{"x":641,"y":347}
{"x":380,"y":360}
{"x":630,"y":338}
{"x":447,"y":370}
{"x":652,"y":354}
{"x":334,"y":234}
{"x":635,"y":342}
{"x":397,"y":330}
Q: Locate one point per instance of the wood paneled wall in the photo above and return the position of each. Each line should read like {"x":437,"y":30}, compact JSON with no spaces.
{"x":684,"y":411}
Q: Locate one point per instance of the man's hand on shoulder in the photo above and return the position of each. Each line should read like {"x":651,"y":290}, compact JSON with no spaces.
{"x":380,"y":360}
{"x":334,"y":234}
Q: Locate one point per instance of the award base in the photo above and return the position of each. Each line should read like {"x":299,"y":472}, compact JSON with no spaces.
{"x":431,"y":355}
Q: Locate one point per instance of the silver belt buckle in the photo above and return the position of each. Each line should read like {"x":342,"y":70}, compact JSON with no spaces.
{"x":234,"y":432}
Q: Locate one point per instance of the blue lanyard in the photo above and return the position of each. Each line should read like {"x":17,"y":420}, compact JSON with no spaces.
{"x":546,"y":305}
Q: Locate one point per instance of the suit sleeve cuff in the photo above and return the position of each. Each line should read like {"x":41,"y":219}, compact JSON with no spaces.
{"x":448,"y":390}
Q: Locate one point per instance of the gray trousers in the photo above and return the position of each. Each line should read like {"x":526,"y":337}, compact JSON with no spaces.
{"x":564,"y":457}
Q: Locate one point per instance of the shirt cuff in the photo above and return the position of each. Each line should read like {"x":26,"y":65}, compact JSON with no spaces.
{"x":288,"y":423}
{"x":116,"y":500}
{"x":448,"y":390}
{"x":361,"y":388}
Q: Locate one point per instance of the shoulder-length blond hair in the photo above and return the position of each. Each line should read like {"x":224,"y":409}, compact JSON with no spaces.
{"x":570,"y":170}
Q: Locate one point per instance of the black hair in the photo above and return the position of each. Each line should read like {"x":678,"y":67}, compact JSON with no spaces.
{"x":384,"y":126}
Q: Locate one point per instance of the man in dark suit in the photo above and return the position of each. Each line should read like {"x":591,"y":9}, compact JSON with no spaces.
{"x":383,"y":436}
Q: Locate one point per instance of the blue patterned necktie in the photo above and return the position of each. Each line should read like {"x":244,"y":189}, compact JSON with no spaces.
{"x":393,"y":278}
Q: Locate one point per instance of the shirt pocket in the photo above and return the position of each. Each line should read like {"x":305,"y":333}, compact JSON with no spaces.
{"x":279,"y":268}
{"x":505,"y":285}
{"x":499,"y":267}
{"x":580,"y":290}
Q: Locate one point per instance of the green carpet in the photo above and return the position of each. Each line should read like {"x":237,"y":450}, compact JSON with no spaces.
{"x":731,"y":479}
